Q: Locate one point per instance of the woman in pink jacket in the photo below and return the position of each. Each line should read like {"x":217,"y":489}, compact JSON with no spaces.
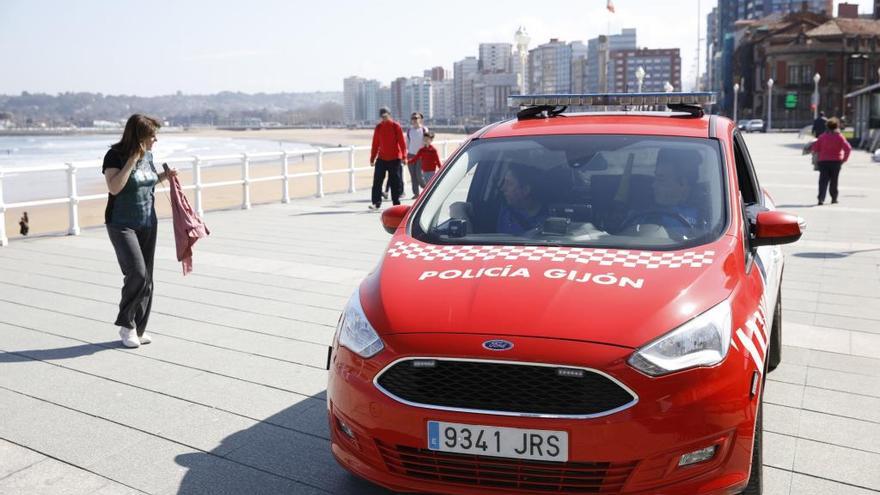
{"x":833,"y":150}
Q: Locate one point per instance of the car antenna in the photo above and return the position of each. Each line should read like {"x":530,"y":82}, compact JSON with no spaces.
{"x":694,"y":110}
{"x":540,"y":112}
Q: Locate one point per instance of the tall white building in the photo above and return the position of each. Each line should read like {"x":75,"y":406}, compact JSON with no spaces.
{"x":417,"y":97}
{"x":370,"y":98}
{"x":550,"y":68}
{"x":520,"y":62}
{"x":464,"y":74}
{"x":578,"y":66}
{"x":350,"y":90}
{"x":361,"y":99}
{"x":495,"y":57}
{"x":594,"y":83}
{"x":492,"y":94}
{"x":443,"y":95}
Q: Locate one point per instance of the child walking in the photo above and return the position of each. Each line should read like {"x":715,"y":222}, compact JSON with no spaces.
{"x":429,"y":158}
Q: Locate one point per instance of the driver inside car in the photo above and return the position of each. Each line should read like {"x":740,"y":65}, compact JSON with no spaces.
{"x":674,"y":193}
{"x":522,"y":208}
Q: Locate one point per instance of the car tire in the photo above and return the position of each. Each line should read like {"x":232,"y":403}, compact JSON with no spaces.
{"x":774,"y":354}
{"x":756,"y":475}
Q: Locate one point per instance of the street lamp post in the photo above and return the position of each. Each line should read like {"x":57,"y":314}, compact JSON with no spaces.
{"x":816,"y":79}
{"x":769,"y":104}
{"x":522,"y":40}
{"x":640,"y":77}
{"x":735,"y":94}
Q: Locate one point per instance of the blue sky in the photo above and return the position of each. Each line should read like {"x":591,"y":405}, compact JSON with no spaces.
{"x":199,"y":46}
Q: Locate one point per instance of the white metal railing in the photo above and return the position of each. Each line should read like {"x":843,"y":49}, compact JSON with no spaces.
{"x":198,"y":163}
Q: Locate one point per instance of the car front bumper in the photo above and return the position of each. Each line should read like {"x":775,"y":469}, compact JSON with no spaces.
{"x":633,"y":451}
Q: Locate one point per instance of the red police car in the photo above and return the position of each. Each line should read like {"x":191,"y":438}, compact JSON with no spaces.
{"x":578,"y":303}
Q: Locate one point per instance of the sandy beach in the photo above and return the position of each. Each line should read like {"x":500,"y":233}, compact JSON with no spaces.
{"x":54,"y":218}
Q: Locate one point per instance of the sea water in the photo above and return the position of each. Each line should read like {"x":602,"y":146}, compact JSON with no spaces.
{"x":34,"y":151}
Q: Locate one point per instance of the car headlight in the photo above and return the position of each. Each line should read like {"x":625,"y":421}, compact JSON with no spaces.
{"x":702,"y":341}
{"x":354,"y":331}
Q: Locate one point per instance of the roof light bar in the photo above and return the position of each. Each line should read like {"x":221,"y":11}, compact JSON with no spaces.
{"x":611,"y":99}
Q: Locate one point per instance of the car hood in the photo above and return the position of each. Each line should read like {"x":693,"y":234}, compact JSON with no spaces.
{"x":609,"y":296}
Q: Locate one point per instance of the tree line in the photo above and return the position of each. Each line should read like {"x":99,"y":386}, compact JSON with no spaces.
{"x":226,"y":108}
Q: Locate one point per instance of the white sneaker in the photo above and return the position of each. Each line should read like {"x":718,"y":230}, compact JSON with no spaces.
{"x":129,"y":337}
{"x":145,"y":339}
{"x":373,"y":207}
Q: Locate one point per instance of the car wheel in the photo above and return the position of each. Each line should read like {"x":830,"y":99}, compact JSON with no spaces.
{"x":774,"y":356}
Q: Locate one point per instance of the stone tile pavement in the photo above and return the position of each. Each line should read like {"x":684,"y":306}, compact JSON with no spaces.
{"x":229,"y":399}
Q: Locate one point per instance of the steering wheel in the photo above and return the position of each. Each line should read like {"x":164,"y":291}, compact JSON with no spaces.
{"x":641,"y":217}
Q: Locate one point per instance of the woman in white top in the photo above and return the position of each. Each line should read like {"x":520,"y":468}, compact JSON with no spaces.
{"x":414,"y":136}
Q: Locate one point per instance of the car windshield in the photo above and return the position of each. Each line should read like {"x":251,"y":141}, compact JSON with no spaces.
{"x":618,"y":191}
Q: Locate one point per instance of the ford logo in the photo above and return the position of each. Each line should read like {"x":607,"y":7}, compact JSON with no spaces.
{"x":498,"y":345}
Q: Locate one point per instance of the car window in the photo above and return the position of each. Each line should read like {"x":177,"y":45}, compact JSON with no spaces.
{"x":599,"y":190}
{"x":745,"y":173}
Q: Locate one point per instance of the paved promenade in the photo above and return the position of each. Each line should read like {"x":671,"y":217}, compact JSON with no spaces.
{"x":229,"y":399}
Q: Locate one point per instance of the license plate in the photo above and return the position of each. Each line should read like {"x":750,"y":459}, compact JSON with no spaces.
{"x":514,"y":443}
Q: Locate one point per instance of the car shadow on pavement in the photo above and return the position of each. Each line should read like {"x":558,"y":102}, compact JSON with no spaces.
{"x":811,"y":205}
{"x":288,"y":452}
{"x":799,"y":146}
{"x":58,"y":353}
{"x":833,"y":255}
{"x":321,"y":213}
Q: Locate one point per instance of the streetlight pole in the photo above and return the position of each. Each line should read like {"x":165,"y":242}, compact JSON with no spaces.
{"x":769,"y":104}
{"x":735,"y":94}
{"x":816,"y":79}
{"x":640,"y":77}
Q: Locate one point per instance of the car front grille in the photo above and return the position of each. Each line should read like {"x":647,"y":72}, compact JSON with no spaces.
{"x":503,"y":387}
{"x":511,"y":475}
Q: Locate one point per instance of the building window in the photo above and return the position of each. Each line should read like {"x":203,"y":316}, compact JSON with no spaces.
{"x":857,"y":71}
{"x":794,"y":74}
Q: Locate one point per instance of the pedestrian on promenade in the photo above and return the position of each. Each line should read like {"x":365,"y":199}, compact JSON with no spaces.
{"x":414,"y":137}
{"x":819,"y":124}
{"x":833,"y":150}
{"x":131,"y":223}
{"x":24,"y":225}
{"x":386,"y":156}
{"x":427,"y":157}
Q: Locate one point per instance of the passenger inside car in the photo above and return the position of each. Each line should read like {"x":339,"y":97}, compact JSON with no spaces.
{"x":523,"y":206}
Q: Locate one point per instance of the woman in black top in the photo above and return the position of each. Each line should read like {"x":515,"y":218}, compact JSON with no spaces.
{"x":130,"y":218}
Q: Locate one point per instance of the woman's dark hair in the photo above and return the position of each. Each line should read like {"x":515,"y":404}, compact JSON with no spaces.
{"x":530,"y":177}
{"x":832,"y":123}
{"x":138,"y":129}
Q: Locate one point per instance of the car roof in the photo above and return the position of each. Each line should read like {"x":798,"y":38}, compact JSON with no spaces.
{"x":635,"y":123}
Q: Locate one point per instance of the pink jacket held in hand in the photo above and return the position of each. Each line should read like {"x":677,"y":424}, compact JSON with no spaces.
{"x":188,"y":227}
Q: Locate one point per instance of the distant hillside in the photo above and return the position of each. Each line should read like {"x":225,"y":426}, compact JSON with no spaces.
{"x":82,"y":109}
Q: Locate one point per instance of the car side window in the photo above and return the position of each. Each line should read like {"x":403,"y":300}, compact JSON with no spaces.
{"x":752,"y":197}
{"x":745,"y":173}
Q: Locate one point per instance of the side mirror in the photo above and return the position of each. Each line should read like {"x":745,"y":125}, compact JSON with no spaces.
{"x":392,"y":217}
{"x":776,"y":227}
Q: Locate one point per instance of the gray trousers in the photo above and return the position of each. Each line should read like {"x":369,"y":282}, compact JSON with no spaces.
{"x":415,"y":177}
{"x":134,"y":252}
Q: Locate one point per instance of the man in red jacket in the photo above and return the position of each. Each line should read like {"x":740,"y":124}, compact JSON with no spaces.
{"x":389,"y":149}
